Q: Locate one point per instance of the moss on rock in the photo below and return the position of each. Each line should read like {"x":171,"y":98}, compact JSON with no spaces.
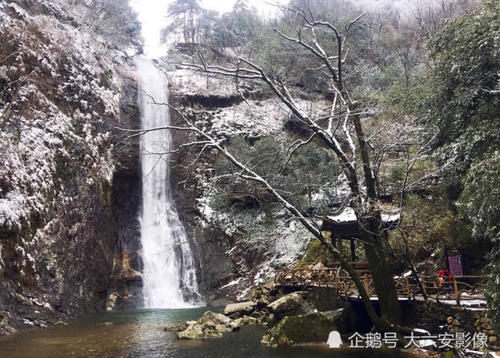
{"x":309,"y":328}
{"x":210,"y":325}
{"x":315,"y":252}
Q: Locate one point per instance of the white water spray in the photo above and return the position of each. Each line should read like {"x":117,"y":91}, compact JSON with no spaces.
{"x":169,"y":275}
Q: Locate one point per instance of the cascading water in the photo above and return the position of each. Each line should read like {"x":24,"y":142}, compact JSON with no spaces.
{"x":169,"y":275}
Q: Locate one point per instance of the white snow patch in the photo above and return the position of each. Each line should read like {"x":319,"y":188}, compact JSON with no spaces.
{"x":347,"y":215}
{"x":232,"y":283}
{"x":477,"y":302}
{"x":390,"y":217}
{"x":244,"y":293}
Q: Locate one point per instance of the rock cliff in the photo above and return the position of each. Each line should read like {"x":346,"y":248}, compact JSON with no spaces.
{"x":239,"y":244}
{"x":68,"y":190}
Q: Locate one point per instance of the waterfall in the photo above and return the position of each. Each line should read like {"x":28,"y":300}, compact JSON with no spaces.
{"x":169,"y":275}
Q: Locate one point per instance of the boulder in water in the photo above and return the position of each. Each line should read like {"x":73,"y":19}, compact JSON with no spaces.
{"x":177,"y":327}
{"x":246,"y":321}
{"x":308,"y":328}
{"x":291,"y":304}
{"x":111,"y":302}
{"x":210,"y":325}
{"x":240,"y":308}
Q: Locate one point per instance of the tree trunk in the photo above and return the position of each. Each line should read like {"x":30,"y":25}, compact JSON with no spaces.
{"x":374,"y":238}
{"x":340,"y":245}
{"x":380,"y":268}
{"x":353,"y":251}
{"x":384,"y":284}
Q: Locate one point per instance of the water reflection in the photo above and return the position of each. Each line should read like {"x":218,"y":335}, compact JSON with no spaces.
{"x":140,"y":333}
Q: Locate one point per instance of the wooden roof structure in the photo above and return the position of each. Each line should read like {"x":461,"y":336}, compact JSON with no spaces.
{"x":345,"y":224}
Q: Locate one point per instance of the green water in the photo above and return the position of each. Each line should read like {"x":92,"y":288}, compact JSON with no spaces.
{"x":140,"y":333}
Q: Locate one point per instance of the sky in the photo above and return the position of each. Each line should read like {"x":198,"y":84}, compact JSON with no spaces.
{"x":226,"y":5}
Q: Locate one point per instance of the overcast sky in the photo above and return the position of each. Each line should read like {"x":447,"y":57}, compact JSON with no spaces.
{"x":226,"y":5}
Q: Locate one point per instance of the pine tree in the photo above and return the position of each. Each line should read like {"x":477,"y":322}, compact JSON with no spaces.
{"x":187,"y":10}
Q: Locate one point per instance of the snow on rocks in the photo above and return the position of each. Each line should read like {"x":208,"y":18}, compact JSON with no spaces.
{"x":243,"y":234}
{"x":188,"y":82}
{"x":62,"y":92}
{"x":254,"y":118}
{"x":45,"y":129}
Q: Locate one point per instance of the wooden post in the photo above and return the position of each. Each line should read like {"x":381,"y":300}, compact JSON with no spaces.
{"x":333,"y":239}
{"x":455,"y":287}
{"x":353,"y":251}
{"x":367,"y":285}
{"x":340,"y":245}
{"x":408,"y":288}
{"x":337,"y":272}
{"x":446,"y":257}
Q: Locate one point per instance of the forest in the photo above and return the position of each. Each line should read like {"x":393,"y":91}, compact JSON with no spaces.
{"x":318,"y":172}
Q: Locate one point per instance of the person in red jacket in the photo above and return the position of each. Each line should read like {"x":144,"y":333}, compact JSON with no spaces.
{"x":445,"y":281}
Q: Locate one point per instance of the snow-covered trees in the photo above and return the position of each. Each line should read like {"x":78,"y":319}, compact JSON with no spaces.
{"x":207,"y":27}
{"x":113,"y":19}
{"x":185,"y":14}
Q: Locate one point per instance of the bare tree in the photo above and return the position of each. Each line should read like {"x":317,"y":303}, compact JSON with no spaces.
{"x":432,"y":16}
{"x":344,"y":119}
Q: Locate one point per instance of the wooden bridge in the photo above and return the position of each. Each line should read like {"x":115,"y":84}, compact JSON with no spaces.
{"x":464,"y":290}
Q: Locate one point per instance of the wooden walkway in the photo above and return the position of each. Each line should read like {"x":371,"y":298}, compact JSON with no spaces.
{"x":463,"y":290}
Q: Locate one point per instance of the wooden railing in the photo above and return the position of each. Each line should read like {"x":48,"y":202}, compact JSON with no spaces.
{"x":461,"y":288}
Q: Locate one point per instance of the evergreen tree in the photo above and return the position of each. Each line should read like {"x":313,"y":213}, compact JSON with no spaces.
{"x":460,"y":103}
{"x":187,"y":11}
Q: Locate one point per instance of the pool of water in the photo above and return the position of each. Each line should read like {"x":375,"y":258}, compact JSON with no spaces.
{"x":140,"y":333}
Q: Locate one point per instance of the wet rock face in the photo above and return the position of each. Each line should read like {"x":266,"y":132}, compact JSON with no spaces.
{"x":66,"y":194}
{"x":235,"y":249}
{"x":230,"y":262}
{"x":209,"y":244}
{"x":5,"y":327}
{"x":212,"y":101}
{"x":126,"y":194}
